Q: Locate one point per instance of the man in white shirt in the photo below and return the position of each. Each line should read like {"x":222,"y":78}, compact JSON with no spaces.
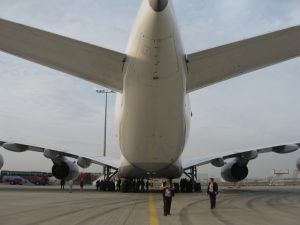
{"x":168,"y":192}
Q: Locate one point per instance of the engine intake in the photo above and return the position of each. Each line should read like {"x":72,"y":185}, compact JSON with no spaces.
{"x":66,"y":170}
{"x":234,"y":171}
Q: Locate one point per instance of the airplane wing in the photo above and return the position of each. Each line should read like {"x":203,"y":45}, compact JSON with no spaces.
{"x":227,"y":61}
{"x":249,"y":154}
{"x":86,"y":61}
{"x":85,"y":159}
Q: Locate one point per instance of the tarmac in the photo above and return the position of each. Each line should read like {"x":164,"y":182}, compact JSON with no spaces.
{"x":49,"y":206}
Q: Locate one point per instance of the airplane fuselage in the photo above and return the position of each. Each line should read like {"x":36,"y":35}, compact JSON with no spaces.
{"x":153,"y":112}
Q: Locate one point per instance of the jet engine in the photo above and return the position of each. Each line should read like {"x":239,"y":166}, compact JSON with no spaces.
{"x":298,"y":164}
{"x":65,"y":169}
{"x":1,"y":161}
{"x":235,"y":171}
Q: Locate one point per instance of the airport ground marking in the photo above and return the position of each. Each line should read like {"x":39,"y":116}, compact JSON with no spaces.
{"x":152,"y":211}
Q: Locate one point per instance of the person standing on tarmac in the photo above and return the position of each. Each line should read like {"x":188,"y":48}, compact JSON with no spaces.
{"x":147,"y":185}
{"x":70,"y":186}
{"x":98,"y":185}
{"x":212,"y":191}
{"x":119,"y":184}
{"x":62,"y":184}
{"x":81,"y":185}
{"x":168,"y":193}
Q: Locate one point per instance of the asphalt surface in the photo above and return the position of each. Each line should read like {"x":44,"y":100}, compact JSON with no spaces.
{"x":49,"y":206}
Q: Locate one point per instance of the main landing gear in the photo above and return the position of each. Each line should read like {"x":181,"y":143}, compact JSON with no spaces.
{"x":109,"y":172}
{"x":191,"y":173}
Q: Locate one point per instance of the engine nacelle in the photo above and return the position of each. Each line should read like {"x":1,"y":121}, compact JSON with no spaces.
{"x":66,"y":170}
{"x":83,"y":162}
{"x":234,"y":171}
{"x":298,"y":164}
{"x":51,"y":154}
{"x":1,"y":161}
{"x":250,"y":155}
{"x":219,"y":162}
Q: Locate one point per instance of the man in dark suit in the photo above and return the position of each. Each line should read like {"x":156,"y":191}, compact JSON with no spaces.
{"x":212,"y":191}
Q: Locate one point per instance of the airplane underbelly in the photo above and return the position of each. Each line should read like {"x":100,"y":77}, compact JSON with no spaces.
{"x":151,"y":138}
{"x":127,"y":170}
{"x":153,"y":127}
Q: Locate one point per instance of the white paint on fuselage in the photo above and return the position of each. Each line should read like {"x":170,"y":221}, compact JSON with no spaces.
{"x":153,"y":112}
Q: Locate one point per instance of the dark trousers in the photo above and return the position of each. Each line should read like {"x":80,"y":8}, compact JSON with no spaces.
{"x":167,"y":205}
{"x":212,"y":197}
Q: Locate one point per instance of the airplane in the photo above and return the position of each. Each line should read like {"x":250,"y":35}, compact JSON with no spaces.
{"x":153,"y":80}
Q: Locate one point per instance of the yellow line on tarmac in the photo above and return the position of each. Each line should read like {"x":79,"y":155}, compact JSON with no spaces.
{"x":152,"y":210}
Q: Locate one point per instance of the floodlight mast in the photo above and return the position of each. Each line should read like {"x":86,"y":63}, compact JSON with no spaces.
{"x":105,"y":118}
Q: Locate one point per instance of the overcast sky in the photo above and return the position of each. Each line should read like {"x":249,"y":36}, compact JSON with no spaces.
{"x":44,"y":107}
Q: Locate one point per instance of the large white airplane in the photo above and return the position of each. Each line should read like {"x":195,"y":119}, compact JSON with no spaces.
{"x":153,"y":80}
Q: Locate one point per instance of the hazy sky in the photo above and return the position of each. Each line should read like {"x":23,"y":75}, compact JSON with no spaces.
{"x":44,"y":107}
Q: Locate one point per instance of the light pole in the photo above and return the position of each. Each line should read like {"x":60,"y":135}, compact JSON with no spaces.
{"x":105,"y":117}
